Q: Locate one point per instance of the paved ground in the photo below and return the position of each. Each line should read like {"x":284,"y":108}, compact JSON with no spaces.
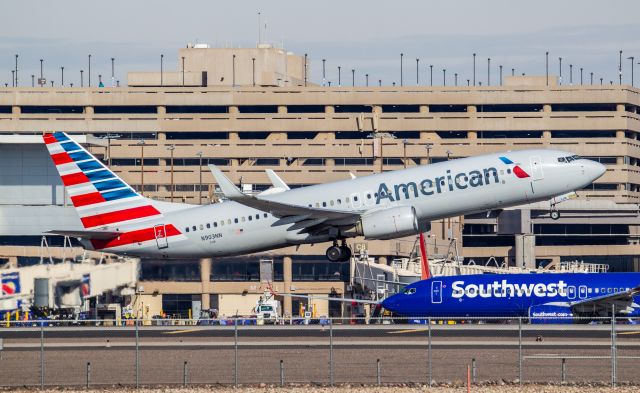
{"x":305,"y":351}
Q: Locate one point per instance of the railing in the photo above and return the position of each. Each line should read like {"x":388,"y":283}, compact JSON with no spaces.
{"x":247,"y":351}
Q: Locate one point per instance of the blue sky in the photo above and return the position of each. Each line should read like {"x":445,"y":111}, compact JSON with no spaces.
{"x":367,"y":36}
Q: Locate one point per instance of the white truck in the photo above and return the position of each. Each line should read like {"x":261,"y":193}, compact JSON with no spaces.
{"x":268,"y":309}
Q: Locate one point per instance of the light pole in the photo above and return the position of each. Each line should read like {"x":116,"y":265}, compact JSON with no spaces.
{"x":199,"y":154}
{"x":171,"y":148}
{"x":253,"y":71}
{"x":404,"y":153}
{"x":620,"y":68}
{"x":305,"y":70}
{"x":113,"y":72}
{"x":324,"y":74}
{"x":16,"y":70}
{"x":560,"y":65}
{"x":161,"y":70}
{"x":455,"y":78}
{"x":581,"y":75}
{"x":13,"y":78}
{"x":488,"y":71}
{"x":62,"y":76}
{"x":417,"y":72}
{"x":366,"y":78}
{"x":41,"y":73}
{"x":444,"y":77}
{"x":428,"y":146}
{"x":628,"y":58}
{"x":546,"y":55}
{"x":141,"y":144}
{"x":353,"y":77}
{"x":570,"y":74}
{"x":81,"y":78}
{"x":431,"y":74}
{"x":474,"y":69}
{"x":89,"y":73}
{"x":234,"y":71}
{"x":591,"y":73}
{"x":33,"y":80}
{"x":339,"y":78}
{"x":500,"y":75}
{"x":401,"y":56}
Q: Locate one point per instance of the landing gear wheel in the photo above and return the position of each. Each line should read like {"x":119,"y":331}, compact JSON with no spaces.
{"x":554,"y":214}
{"x":334,"y":253}
{"x":346,"y":253}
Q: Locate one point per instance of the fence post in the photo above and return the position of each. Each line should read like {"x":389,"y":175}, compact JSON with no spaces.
{"x":474,"y":370}
{"x":88,"y":374}
{"x":520,"y":350}
{"x":564,"y":371}
{"x":281,"y":373}
{"x":378,"y":377}
{"x":41,"y":354}
{"x":235,"y":354}
{"x":184,"y":374}
{"x":331,"y":352}
{"x":429,"y":369}
{"x":613,"y":346}
{"x":137,"y":355}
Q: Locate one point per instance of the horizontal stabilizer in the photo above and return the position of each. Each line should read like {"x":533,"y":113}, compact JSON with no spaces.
{"x":276,"y":180}
{"x":97,"y":235}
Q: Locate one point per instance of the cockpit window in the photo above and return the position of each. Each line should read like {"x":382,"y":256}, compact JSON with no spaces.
{"x":409,"y":291}
{"x":569,"y":159}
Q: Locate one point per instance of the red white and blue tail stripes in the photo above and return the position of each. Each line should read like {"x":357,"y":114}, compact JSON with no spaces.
{"x":102,"y":200}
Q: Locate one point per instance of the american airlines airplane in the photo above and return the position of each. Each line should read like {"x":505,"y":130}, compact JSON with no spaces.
{"x":543,"y":298}
{"x":389,"y":205}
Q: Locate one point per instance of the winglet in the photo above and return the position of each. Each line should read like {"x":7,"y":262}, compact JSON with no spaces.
{"x":352,"y":175}
{"x":276,"y":180}
{"x":228,"y":188}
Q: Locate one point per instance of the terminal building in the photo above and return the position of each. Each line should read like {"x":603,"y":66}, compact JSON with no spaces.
{"x":247,"y":110}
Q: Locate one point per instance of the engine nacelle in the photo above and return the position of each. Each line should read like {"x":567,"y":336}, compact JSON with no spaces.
{"x":389,"y":223}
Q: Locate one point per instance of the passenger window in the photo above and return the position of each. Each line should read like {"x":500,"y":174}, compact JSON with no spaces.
{"x":339,"y":201}
{"x":186,"y":229}
{"x":257,"y":216}
{"x":242,"y":219}
{"x":229,"y":221}
{"x":235,"y":220}
{"x":201,"y":227}
{"x":324,"y":204}
{"x":221,"y":223}
{"x":509,"y":170}
{"x":317,"y":204}
{"x":346,"y":199}
{"x":250,"y":218}
{"x":265,"y":215}
{"x":215,"y":224}
{"x":355,"y":198}
{"x":208,"y":225}
{"x":331,"y":202}
{"x":194,"y":228}
{"x":368,"y":196}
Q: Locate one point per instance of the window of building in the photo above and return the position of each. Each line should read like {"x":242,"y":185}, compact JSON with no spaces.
{"x":235,"y":271}
{"x":258,"y":108}
{"x":170,"y":271}
{"x":125,"y":109}
{"x":401,"y":108}
{"x":305,"y":108}
{"x":583,"y":134}
{"x":509,"y":134}
{"x":316,"y":270}
{"x":350,"y":135}
{"x":595,"y":107}
{"x":179,"y":305}
{"x":301,"y":135}
{"x":267,"y":162}
{"x":253,"y":135}
{"x":447,"y":108}
{"x":509,"y":108}
{"x":197,"y":109}
{"x":197,"y":135}
{"x":67,"y":109}
{"x":452,"y":134}
{"x":352,"y":108}
{"x":313,"y":162}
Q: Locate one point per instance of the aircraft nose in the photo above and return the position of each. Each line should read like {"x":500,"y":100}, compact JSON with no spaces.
{"x":593,"y":169}
{"x":391,"y":303}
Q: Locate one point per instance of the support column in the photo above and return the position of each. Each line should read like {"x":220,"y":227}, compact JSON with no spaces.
{"x":15,"y":110}
{"x":287,"y":269}
{"x":205,"y":274}
{"x":525,"y":251}
{"x":382,"y":260}
{"x":472,"y":135}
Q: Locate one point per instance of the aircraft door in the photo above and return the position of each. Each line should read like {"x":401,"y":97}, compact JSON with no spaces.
{"x":582,"y":291}
{"x":161,"y":236}
{"x":571,"y":292}
{"x":436,"y":292}
{"x":536,"y":168}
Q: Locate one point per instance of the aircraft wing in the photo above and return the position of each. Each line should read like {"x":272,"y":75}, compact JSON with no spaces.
{"x":278,"y":209}
{"x":604,"y":302}
{"x":98,"y":235}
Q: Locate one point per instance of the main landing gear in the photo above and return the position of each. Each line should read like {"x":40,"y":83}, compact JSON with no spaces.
{"x":554,"y":214}
{"x":337,"y":253}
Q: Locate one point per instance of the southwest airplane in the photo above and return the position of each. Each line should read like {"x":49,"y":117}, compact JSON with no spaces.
{"x":543,"y":298}
{"x":389,"y":205}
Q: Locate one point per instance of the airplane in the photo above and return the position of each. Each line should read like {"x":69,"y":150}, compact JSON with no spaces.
{"x":543,"y":298}
{"x":394,"y":204}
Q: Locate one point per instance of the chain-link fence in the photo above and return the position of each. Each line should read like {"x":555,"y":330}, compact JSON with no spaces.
{"x":337,"y":351}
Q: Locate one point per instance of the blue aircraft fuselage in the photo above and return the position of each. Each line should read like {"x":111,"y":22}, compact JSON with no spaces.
{"x":519,"y":295}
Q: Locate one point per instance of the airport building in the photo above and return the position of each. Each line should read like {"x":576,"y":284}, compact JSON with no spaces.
{"x":247,"y":110}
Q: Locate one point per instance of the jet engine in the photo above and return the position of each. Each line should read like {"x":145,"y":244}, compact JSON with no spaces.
{"x":389,"y":223}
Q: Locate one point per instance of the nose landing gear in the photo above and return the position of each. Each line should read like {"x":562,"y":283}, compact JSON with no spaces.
{"x":337,"y":253}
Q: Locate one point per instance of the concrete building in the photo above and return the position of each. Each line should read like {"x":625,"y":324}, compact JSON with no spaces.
{"x":155,"y":132}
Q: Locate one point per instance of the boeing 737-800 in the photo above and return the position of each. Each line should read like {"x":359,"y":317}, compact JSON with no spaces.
{"x":388,"y":205}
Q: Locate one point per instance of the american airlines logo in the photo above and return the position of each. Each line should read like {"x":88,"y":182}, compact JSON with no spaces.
{"x":437,"y":185}
{"x":506,"y":289}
